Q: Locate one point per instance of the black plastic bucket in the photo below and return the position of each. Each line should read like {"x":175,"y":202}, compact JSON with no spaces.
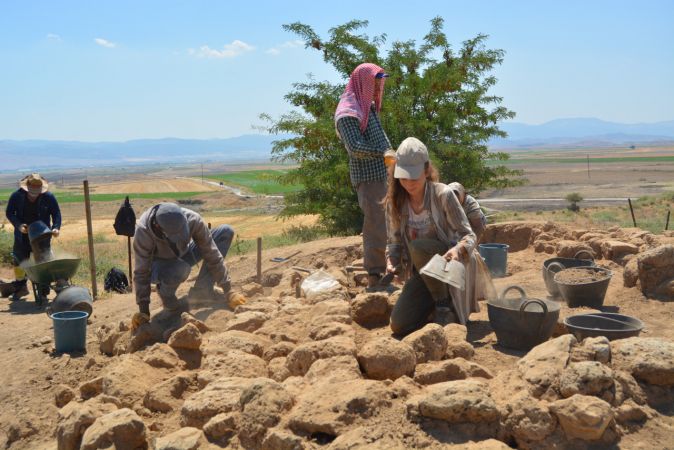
{"x":590,"y":294}
{"x":613,"y":326}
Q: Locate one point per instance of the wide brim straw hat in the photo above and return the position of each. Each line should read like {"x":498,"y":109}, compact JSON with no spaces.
{"x":34,"y":184}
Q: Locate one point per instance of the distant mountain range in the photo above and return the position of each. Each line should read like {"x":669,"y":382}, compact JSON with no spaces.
{"x":43,"y":154}
{"x":583,"y":132}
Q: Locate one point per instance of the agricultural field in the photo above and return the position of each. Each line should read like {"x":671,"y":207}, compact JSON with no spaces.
{"x":257,"y":181}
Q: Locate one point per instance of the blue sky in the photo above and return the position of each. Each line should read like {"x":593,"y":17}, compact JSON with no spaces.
{"x":90,"y":70}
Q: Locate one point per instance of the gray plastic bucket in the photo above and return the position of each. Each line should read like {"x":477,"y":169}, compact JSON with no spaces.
{"x":70,"y":331}
{"x":496,"y":258}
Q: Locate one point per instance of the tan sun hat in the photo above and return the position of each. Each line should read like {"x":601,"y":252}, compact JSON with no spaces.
{"x":34,"y":184}
{"x":411,"y":159}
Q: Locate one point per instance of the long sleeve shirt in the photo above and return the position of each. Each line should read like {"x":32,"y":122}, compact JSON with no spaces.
{"x":366,"y":149}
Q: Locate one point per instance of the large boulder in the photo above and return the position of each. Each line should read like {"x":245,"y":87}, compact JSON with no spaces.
{"x":587,"y":378}
{"x":457,"y":346}
{"x":583,"y":417}
{"x":542,"y":366}
{"x":650,"y":360}
{"x":187,"y":438}
{"x":221,"y":343}
{"x":656,"y":272}
{"x":528,"y":420}
{"x":129,"y":378}
{"x":118,"y":429}
{"x":187,"y":337}
{"x":456,"y":402}
{"x":262,"y":402}
{"x":613,"y":250}
{"x":234,"y":363}
{"x":303,"y":356}
{"x":429,"y":343}
{"x":568,"y":249}
{"x":166,"y":396}
{"x":370,"y":309}
{"x":220,"y":396}
{"x":386,"y":358}
{"x":449,"y":370}
{"x":334,"y":407}
{"x":74,"y":418}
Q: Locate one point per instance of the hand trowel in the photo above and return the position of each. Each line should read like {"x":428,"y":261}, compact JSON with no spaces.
{"x":450,"y":272}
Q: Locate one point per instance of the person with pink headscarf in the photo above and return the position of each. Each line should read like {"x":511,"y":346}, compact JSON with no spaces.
{"x":358,"y":126}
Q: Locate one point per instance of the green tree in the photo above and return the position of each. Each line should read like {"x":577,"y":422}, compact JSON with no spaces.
{"x":574,"y":198}
{"x":434,"y":93}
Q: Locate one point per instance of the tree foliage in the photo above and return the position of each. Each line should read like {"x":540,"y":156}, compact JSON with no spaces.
{"x":434,"y":93}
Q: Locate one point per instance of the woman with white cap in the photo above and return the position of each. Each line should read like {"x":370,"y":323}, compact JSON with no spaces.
{"x":425,"y":218}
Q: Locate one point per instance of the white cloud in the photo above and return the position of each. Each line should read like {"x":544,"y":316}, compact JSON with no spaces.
{"x":236,"y":48}
{"x":105,"y":43}
{"x":54,"y":37}
{"x":275,"y":51}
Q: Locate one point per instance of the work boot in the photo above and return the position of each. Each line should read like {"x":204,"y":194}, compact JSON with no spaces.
{"x":20,"y":290}
{"x":373,"y":283}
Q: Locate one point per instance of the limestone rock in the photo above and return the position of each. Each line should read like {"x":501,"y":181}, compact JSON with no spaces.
{"x":119,"y":429}
{"x":614,"y":249}
{"x":74,"y":418}
{"x":387,"y":358}
{"x":370,"y":309}
{"x":166,"y":396}
{"x":252,"y":289}
{"x":248,"y":321}
{"x":184,"y":439}
{"x":222,"y":425}
{"x":282,"y":440}
{"x":334,"y":407}
{"x":280,"y":349}
{"x":91,"y":388}
{"x":162,"y":356}
{"x":187,"y":337}
{"x":655,"y":267}
{"x":263,"y":402}
{"x":129,"y":379}
{"x":218,"y":397}
{"x":630,"y":411}
{"x":186,"y":318}
{"x":234,"y":363}
{"x":457,"y":346}
{"x":304,"y":355}
{"x":277,"y":369}
{"x":267,"y":306}
{"x":586,"y":378}
{"x":330,"y":329}
{"x":582,"y":416}
{"x":429,"y":343}
{"x":567,"y":249}
{"x":631,"y":273}
{"x":528,"y":419}
{"x":650,"y":360}
{"x":221,"y":343}
{"x":449,"y":370}
{"x":543,"y":365}
{"x":593,"y":349}
{"x":63,"y":395}
{"x":337,"y":368}
{"x":456,"y":402}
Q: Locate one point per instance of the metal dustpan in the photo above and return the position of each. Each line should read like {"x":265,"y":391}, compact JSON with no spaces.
{"x":450,"y":272}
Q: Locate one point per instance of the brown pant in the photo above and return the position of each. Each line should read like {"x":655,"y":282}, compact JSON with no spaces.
{"x":371,"y":196}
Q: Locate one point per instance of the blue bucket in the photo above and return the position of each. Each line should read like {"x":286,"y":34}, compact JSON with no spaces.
{"x":496,"y":258}
{"x":70,"y":331}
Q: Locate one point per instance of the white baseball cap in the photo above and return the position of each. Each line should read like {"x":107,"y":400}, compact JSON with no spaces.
{"x":411,"y":159}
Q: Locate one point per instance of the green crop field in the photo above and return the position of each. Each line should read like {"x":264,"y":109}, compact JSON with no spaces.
{"x":75,"y":198}
{"x":257,"y":181}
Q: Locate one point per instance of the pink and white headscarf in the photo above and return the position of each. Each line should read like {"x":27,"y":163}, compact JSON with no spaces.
{"x":359,"y":94}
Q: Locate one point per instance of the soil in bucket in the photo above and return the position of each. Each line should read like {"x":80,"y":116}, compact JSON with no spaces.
{"x":580,"y":276}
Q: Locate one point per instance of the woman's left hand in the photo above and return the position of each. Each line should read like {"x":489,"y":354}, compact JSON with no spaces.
{"x":453,"y":254}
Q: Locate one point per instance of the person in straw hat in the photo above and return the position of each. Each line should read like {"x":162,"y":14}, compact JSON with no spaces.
{"x":28,"y":204}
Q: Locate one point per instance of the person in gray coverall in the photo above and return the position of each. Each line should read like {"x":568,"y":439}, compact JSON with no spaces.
{"x":169,"y":240}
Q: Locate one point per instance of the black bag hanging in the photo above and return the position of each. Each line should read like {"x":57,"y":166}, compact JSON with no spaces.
{"x":125,"y":221}
{"x":116,"y":281}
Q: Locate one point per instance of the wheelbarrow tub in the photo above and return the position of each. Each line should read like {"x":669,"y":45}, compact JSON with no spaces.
{"x":51,"y":271}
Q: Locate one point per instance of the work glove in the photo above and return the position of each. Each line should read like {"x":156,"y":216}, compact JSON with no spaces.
{"x":23,"y":228}
{"x":55,"y":232}
{"x":235,"y":299}
{"x":139,"y":319}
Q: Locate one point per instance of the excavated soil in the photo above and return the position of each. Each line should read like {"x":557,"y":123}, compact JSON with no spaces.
{"x":337,"y":403}
{"x":581,"y":276}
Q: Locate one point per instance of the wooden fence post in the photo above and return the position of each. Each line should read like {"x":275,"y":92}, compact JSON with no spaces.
{"x":90,"y":238}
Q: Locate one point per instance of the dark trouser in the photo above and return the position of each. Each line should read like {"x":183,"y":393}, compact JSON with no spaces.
{"x":421,"y":293}
{"x":20,"y":252}
{"x":371,"y":195}
{"x":168,"y":274}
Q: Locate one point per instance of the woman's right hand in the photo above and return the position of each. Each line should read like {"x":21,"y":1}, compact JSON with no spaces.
{"x":391,"y":265}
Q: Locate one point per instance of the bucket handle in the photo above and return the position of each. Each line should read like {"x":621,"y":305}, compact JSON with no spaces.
{"x":587,"y":252}
{"x":515,"y":287}
{"x":539,"y":302}
{"x":556,"y":265}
